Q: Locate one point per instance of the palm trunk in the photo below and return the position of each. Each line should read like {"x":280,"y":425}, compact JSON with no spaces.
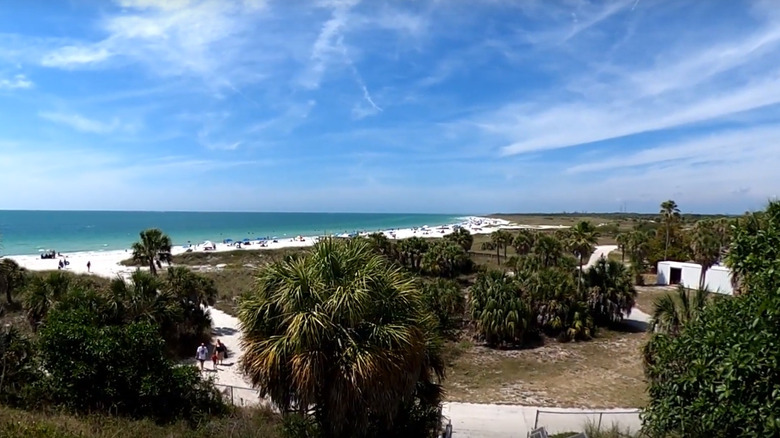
{"x":579,"y":283}
{"x":152,"y":268}
{"x":702,"y":277}
{"x":498,"y":254}
{"x":666,"y":247}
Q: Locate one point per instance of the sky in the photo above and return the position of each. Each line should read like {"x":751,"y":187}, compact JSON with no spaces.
{"x":430,"y":106}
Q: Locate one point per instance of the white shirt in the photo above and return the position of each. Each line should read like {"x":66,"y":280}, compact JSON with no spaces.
{"x":202,"y":353}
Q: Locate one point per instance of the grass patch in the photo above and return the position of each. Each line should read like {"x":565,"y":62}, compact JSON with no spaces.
{"x":602,"y":373}
{"x":231,"y":284}
{"x":247,"y":422}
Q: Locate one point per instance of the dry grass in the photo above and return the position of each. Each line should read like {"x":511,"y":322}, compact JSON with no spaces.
{"x":647,"y":295}
{"x":249,"y":423}
{"x":231,"y":284}
{"x":602,"y":373}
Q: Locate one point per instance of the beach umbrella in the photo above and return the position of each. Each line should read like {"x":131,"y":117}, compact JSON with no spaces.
{"x":246,"y":239}
{"x":227,"y":241}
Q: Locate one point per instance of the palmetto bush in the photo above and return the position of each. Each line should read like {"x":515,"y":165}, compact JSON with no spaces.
{"x":502,"y":314}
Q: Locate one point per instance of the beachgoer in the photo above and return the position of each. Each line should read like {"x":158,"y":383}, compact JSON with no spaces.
{"x":89,"y":266}
{"x":60,"y":265}
{"x":221,"y":350}
{"x":201,"y":354}
{"x":214,"y":358}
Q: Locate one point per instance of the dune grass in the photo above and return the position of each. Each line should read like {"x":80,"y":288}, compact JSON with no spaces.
{"x":244,"y":423}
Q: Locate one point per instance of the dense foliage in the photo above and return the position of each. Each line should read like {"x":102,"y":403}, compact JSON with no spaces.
{"x":718,"y":374}
{"x":549,"y":293}
{"x":342,"y":333}
{"x":95,"y":361}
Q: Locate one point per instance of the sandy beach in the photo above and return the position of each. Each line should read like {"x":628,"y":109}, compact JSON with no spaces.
{"x":106,"y":263}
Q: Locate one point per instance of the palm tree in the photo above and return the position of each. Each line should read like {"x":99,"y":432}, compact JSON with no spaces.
{"x":499,"y":310}
{"x":501,"y":239}
{"x":340,"y":333}
{"x":670,"y":213}
{"x":671,"y":313}
{"x":622,"y":241}
{"x":523,"y":242}
{"x":12,"y":278}
{"x":638,"y":245}
{"x":42,"y":293}
{"x":462,"y":237}
{"x":153,"y":243}
{"x":706,"y":248}
{"x":611,"y":291}
{"x":581,"y":241}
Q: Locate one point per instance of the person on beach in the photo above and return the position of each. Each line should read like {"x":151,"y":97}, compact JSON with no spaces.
{"x":201,"y":354}
{"x":221,"y":350}
{"x":89,"y":266}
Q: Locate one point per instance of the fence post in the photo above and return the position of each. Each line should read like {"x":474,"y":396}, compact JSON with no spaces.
{"x":601,"y":414}
{"x":232,"y":402}
{"x":536,"y":420}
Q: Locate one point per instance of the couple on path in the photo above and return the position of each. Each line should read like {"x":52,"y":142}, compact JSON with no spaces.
{"x":218,"y":356}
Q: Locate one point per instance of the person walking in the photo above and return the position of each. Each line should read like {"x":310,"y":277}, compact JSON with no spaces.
{"x":221,"y":351}
{"x":89,"y":266}
{"x":202,"y":354}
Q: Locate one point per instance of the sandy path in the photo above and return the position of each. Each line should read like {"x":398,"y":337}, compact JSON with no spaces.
{"x":601,"y":251}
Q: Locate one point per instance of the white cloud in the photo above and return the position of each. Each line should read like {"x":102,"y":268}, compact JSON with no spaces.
{"x":18,"y":81}
{"x":209,"y":39}
{"x":83,"y":124}
{"x":75,"y":56}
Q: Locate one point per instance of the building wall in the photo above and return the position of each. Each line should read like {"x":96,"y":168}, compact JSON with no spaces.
{"x":717,"y":279}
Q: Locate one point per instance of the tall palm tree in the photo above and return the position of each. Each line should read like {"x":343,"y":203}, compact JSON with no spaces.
{"x":670,"y":213}
{"x":638,"y":245}
{"x":501,"y":239}
{"x":706,"y":247}
{"x":153,"y":243}
{"x":622,"y":241}
{"x":672,"y":312}
{"x":340,"y":333}
{"x":581,"y":241}
{"x":12,"y":278}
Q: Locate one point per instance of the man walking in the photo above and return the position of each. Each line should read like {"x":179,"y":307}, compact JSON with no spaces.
{"x":202,"y":354}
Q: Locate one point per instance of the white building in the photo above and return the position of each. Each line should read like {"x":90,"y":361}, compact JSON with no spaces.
{"x":717,"y":279}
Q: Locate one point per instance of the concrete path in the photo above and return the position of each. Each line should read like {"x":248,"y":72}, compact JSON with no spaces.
{"x":471,"y":420}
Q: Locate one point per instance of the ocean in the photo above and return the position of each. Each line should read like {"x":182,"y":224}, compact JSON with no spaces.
{"x":30,"y":232}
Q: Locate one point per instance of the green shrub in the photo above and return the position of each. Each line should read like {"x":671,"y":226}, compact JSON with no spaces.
{"x":18,"y":367}
{"x":96,"y":364}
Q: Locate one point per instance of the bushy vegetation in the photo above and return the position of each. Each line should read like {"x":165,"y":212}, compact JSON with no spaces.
{"x":717,"y":374}
{"x":107,"y":347}
{"x":548,"y":293}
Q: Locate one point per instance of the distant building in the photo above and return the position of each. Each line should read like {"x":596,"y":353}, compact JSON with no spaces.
{"x":717,"y":279}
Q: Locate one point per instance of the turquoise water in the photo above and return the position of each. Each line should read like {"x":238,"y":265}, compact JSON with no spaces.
{"x":28,"y":232}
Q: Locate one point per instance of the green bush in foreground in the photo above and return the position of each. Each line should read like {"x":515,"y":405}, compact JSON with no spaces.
{"x":719,"y":376}
{"x":96,"y":364}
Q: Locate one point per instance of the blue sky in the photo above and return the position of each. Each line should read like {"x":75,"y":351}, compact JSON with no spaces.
{"x":398,"y":106}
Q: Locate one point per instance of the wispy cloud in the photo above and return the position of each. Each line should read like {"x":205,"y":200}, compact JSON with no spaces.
{"x":83,"y":124}
{"x":75,"y":56}
{"x":688,"y":84}
{"x":16,"y":82}
{"x":205,"y":38}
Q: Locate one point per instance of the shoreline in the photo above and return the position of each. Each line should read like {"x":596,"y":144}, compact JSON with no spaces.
{"x":107,"y":263}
